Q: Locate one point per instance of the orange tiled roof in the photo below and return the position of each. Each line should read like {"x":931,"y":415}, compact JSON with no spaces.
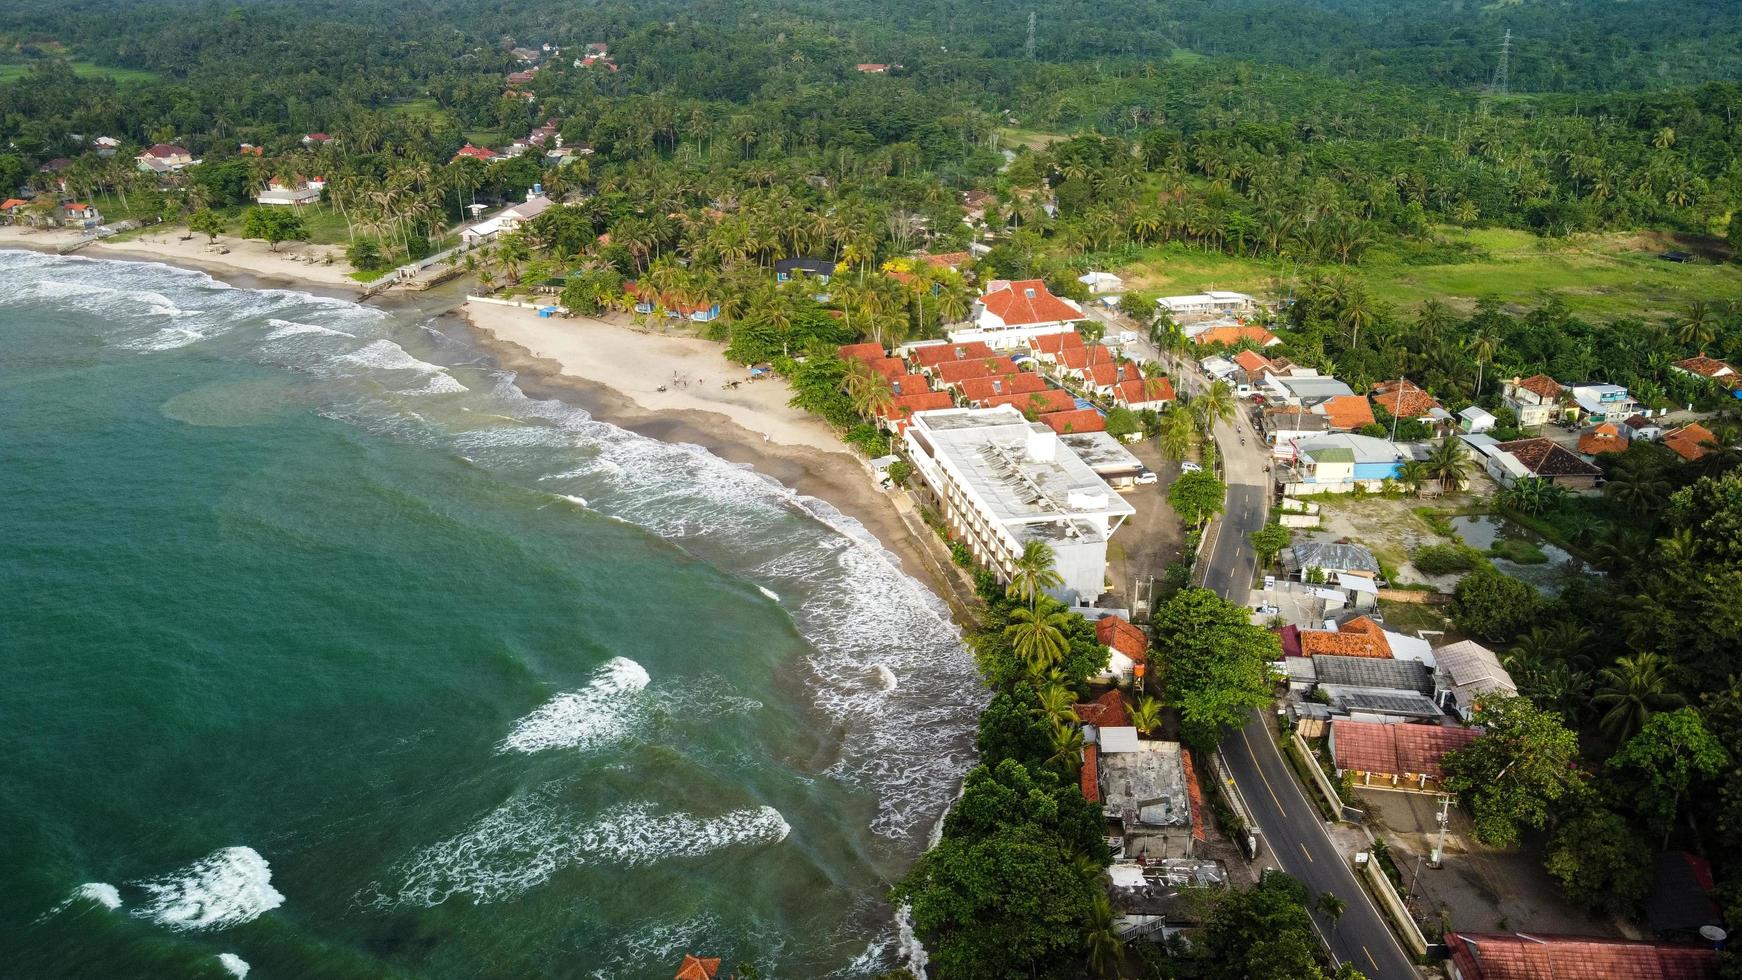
{"x":1089,"y":778}
{"x":1396,"y":749}
{"x":1251,"y":361}
{"x":889,"y":367}
{"x":1138,"y":391}
{"x":1028,"y":301}
{"x":1116,"y":632}
{"x":1194,"y":795}
{"x":1233,"y":335}
{"x":1053,"y":343}
{"x":1542,"y":386}
{"x":1080,"y":420}
{"x":920,"y":401}
{"x":1605,"y":438}
{"x":13,"y":202}
{"x":861,"y":352}
{"x":1106,"y":711}
{"x":1109,"y":373}
{"x":951,"y":372}
{"x":1051,"y":400}
{"x":1017,"y":383}
{"x":1359,"y":637}
{"x":1545,"y":457}
{"x":1688,"y":442}
{"x":1705,"y":367}
{"x":1346,"y":411}
{"x":947,"y":260}
{"x":939,"y":353}
{"x":698,"y":968}
{"x":1403,"y":399}
{"x":1543,"y":956}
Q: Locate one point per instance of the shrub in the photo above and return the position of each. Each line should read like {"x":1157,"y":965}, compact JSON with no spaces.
{"x":1446,"y":559}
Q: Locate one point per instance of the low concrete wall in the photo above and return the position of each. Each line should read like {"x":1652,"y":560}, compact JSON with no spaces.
{"x":1392,"y":904}
{"x":1416,"y":596}
{"x":520,"y":303}
{"x":1320,"y":781}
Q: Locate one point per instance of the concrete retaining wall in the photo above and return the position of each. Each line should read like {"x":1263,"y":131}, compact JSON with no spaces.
{"x":1392,"y":904}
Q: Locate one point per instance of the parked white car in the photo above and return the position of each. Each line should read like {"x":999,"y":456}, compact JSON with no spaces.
{"x":1146,"y":477}
{"x":1190,"y":467}
{"x":1127,"y":337}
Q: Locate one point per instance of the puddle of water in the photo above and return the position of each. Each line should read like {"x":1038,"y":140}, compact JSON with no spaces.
{"x":1482,"y":531}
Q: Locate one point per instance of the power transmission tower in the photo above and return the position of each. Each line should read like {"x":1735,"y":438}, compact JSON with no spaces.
{"x":1498,"y":86}
{"x":1029,"y":46}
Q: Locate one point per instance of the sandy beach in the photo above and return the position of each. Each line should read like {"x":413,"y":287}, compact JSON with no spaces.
{"x":244,"y":258}
{"x":614,"y":371}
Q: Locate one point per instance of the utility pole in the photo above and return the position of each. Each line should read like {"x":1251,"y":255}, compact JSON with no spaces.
{"x":1028,"y":47}
{"x":1440,"y":844}
{"x":1498,"y":86}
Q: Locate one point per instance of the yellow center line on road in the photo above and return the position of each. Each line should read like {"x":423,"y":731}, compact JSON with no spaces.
{"x":1370,"y":958}
{"x":1303,"y":850}
{"x":1260,"y":770}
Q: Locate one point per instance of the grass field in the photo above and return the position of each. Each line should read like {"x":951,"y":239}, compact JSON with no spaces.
{"x":84,"y":69}
{"x":1610,"y":275}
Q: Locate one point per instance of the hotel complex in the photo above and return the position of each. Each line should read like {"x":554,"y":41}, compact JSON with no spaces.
{"x":999,"y":481}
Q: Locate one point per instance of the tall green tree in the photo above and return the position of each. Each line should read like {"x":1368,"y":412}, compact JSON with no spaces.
{"x":1214,"y":664}
{"x":1671,"y":755}
{"x":1513,"y":774}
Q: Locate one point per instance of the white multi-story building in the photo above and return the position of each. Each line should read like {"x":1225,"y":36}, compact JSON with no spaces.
{"x":1013,"y":313}
{"x":1001,"y":481}
{"x":1216,"y":302}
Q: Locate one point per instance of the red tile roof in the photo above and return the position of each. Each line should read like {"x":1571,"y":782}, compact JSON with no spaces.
{"x":1605,"y":438}
{"x":1688,"y":442}
{"x":1116,"y":632}
{"x":698,"y":968}
{"x":935,"y":354}
{"x":166,"y":150}
{"x":1542,"y":386}
{"x":889,"y":367}
{"x":1359,"y":637}
{"x":1089,"y":777}
{"x":1051,"y":400}
{"x":1083,"y":358}
{"x":951,"y":372}
{"x":909,"y":384}
{"x":919,"y":401}
{"x":1705,"y":367}
{"x":1194,"y":794}
{"x":1233,"y":335}
{"x":1538,"y":956}
{"x":1141,"y":390}
{"x":1403,"y":399}
{"x":1027,"y":301}
{"x":976,"y":390}
{"x":1251,"y":361}
{"x":1346,"y":411}
{"x":1080,"y":420}
{"x":13,"y":202}
{"x":1052,"y":343}
{"x":1396,"y":749}
{"x":861,"y":352}
{"x":1108,"y":373}
{"x":475,"y":152}
{"x":1106,"y":711}
{"x":1543,"y":457}
{"x":948,"y":260}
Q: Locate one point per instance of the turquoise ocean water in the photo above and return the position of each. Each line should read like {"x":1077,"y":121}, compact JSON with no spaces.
{"x":326,"y":652}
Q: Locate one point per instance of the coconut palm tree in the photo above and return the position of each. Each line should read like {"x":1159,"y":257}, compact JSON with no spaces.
{"x":1446,"y":464}
{"x":1178,"y":432}
{"x":1106,"y":949}
{"x":1635,"y":489}
{"x":1146,"y":716}
{"x":1534,"y":495}
{"x":1057,"y":704}
{"x":1634,"y":688}
{"x":1032,"y":573}
{"x":1331,"y":907}
{"x":1067,"y":749}
{"x":1037,"y":636}
{"x":1414,"y":475}
{"x":1216,"y":404}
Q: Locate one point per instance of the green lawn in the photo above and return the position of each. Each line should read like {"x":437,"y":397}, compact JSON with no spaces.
{"x":84,"y":69}
{"x":1602,"y":275}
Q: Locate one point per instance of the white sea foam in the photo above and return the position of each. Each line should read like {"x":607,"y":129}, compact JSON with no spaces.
{"x":289,"y":328}
{"x":440,"y":383}
{"x":602,"y":712}
{"x":168,"y":338}
{"x":99,"y":892}
{"x":580,"y":502}
{"x":525,"y":841}
{"x":385,"y":355}
{"x":885,"y":676}
{"x":237,"y":966}
{"x":770,"y":593}
{"x":226,"y":888}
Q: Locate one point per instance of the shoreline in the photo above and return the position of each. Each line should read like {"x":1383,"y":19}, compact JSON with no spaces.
{"x":751,"y":427}
{"x":807,"y":458}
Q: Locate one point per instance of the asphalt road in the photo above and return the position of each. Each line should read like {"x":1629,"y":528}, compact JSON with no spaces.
{"x":1294,"y":836}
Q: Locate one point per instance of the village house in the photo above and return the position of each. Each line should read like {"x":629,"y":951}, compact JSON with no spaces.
{"x":1231,"y":335}
{"x":106,"y":145}
{"x":1712,"y":370}
{"x":787,"y":270}
{"x":1216,"y":302}
{"x":1600,"y":439}
{"x":974,"y":205}
{"x":1075,"y":420}
{"x":1603,"y":402}
{"x":1143,"y":394}
{"x":871,"y":68}
{"x":676,"y":307}
{"x":164,"y":158}
{"x":1399,"y":757}
{"x":1101,"y":282}
{"x":976,"y":391}
{"x":1473,"y":419}
{"x":470,"y":152}
{"x":1149,"y":793}
{"x":1035,"y":404}
{"x":287,"y":194}
{"x":902,"y":407}
{"x":316,"y":139}
{"x":1283,"y":427}
{"x":1691,"y":442}
{"x":1012,"y":313}
{"x":1404,"y":399}
{"x":1126,"y":645}
{"x":1543,"y":459}
{"x":1535,"y":400}
{"x":1464,"y":672}
{"x":72,"y":214}
{"x":1000,"y":481}
{"x":507,"y":219}
{"x":1329,"y":561}
{"x":1338,"y":462}
{"x":1540,"y":956}
{"x":1639,"y":428}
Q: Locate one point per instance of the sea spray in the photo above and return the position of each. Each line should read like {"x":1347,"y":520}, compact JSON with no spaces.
{"x":602,"y":712}
{"x":237,"y":966}
{"x":226,"y":888}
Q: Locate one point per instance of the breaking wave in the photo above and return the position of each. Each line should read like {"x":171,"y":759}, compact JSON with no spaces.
{"x":226,"y":888}
{"x":524,"y":842}
{"x":237,"y":966}
{"x":98,"y":892}
{"x":599,"y":713}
